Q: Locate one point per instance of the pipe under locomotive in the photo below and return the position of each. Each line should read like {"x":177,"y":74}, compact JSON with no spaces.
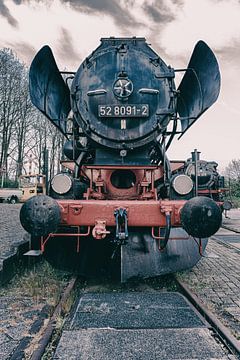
{"x":120,"y":200}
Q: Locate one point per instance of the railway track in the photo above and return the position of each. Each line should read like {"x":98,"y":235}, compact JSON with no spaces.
{"x":218,"y":327}
{"x":116,"y":318}
{"x":228,"y":236}
{"x":46,"y":343}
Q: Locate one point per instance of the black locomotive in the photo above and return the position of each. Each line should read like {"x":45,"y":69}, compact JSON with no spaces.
{"x":119,"y":195}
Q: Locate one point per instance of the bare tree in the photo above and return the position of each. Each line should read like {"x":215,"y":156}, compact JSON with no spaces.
{"x":232,"y":174}
{"x":25,"y":133}
{"x":39,"y":131}
{"x":15,"y":111}
{"x":10,"y":77}
{"x":22,"y":125}
{"x":56,"y":145}
{"x":232,"y":171}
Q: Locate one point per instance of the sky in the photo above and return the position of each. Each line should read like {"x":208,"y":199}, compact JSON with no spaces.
{"x":73,"y":28}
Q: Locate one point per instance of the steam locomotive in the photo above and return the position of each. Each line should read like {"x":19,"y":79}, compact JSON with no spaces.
{"x":119,"y":200}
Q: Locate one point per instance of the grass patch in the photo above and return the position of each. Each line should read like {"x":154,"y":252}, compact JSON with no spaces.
{"x":41,"y":282}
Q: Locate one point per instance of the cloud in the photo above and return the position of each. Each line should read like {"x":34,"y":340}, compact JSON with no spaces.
{"x":230,"y":53}
{"x":84,"y":21}
{"x":4,"y":11}
{"x":159,"y":11}
{"x":66,"y":47}
{"x":24,"y":50}
{"x":111,"y":7}
{"x":216,"y":22}
{"x":71,"y":34}
{"x":156,"y":15}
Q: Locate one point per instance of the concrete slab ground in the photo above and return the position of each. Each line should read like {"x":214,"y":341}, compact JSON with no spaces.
{"x":134,"y":311}
{"x":137,"y":326}
{"x":138,"y":344}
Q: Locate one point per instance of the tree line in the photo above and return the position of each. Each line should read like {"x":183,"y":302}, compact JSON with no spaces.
{"x":232,"y":180}
{"x":25,"y":133}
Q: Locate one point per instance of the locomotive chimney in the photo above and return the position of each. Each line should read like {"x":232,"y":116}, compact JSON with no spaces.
{"x":195,"y":159}
{"x":195,"y":155}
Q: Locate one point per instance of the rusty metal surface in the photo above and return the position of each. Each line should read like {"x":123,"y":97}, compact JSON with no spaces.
{"x":51,"y":326}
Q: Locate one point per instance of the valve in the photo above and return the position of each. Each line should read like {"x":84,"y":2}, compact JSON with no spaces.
{"x":99,"y":231}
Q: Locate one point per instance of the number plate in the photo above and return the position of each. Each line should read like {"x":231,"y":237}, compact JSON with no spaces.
{"x":123,"y":110}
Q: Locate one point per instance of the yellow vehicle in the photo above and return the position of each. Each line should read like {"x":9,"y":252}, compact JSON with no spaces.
{"x":32,"y":185}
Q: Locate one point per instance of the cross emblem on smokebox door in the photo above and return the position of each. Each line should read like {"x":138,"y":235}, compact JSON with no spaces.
{"x":123,"y":87}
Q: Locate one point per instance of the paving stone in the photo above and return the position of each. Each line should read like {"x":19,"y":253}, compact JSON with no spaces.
{"x":234,"y":311}
{"x":7,"y":348}
{"x":11,"y":230}
{"x":216,"y":282}
{"x":14,"y":241}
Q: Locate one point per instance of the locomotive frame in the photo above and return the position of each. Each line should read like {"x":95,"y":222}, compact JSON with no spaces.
{"x":121,"y":186}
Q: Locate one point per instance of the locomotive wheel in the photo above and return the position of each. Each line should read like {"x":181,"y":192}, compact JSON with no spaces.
{"x":93,"y":259}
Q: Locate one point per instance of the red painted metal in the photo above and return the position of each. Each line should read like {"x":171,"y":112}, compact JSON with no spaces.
{"x":101,"y":187}
{"x":51,"y":235}
{"x":150,"y":213}
{"x":143,"y":188}
{"x":158,"y":237}
{"x":207,"y":192}
{"x":102,"y":199}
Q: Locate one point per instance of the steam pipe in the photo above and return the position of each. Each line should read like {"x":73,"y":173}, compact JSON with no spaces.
{"x":195,"y":158}
{"x":167,"y":233}
{"x":162,"y":241}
